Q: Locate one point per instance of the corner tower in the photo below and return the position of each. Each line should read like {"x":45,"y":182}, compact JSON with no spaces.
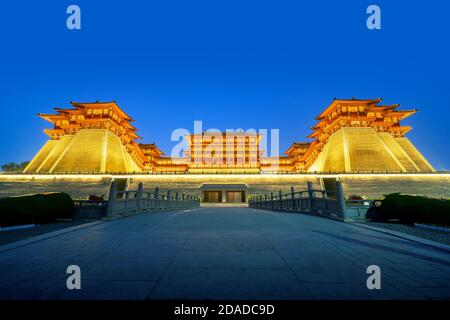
{"x":89,"y":138}
{"x":363,"y":136}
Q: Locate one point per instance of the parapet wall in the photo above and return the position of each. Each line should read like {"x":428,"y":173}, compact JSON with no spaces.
{"x":372,"y":186}
{"x":78,"y":187}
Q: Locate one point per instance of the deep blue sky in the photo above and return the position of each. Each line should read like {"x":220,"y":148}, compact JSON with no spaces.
{"x":232,"y":64}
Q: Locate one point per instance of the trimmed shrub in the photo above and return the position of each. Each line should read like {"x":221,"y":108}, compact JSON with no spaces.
{"x":36,"y":208}
{"x":415,"y":209}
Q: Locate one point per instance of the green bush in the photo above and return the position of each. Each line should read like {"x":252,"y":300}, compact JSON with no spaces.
{"x":415,"y":209}
{"x":37,"y":208}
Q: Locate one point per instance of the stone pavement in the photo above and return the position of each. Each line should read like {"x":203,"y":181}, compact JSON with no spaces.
{"x":224,"y":253}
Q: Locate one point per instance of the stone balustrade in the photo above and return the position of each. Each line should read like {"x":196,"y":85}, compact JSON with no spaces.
{"x":322,"y":202}
{"x":133,"y":201}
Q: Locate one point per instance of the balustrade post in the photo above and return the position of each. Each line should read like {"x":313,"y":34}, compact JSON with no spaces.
{"x":340,"y":197}
{"x":156,"y":198}
{"x":183,"y":204}
{"x":169,"y":201}
{"x":111,"y":199}
{"x":310,"y":195}
{"x":139,"y":195}
{"x":293,"y":198}
{"x":272,"y":205}
{"x":280,"y":195}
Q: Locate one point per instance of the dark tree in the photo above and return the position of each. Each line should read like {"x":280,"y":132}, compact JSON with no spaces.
{"x":14,"y":167}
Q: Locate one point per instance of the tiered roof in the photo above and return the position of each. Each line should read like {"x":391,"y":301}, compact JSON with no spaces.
{"x":360,"y":113}
{"x":151,"y":148}
{"x":355,"y":113}
{"x":91,"y":115}
{"x":96,"y":115}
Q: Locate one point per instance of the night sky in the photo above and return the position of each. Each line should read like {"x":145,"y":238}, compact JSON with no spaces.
{"x":232,"y":64}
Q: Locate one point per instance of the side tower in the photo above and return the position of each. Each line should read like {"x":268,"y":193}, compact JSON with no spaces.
{"x":362,"y":136}
{"x":89,"y":138}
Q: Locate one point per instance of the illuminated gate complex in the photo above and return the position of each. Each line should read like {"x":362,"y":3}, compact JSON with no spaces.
{"x":351,"y":136}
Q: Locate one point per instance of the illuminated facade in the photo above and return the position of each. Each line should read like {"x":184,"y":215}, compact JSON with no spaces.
{"x":350,"y":136}
{"x":91,"y":137}
{"x":360,"y":135}
{"x":235,"y":152}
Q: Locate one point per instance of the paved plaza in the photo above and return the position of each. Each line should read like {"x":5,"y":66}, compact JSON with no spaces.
{"x":224,"y":253}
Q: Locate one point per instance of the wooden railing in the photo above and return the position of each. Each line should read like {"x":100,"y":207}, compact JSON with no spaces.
{"x":322,"y":202}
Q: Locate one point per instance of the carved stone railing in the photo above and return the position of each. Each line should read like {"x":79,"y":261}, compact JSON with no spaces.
{"x":129,"y":202}
{"x":90,"y":209}
{"x":132,"y":201}
{"x":322,"y":202}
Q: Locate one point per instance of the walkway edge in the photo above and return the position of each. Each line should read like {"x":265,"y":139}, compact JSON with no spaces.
{"x":24,"y":242}
{"x":406,"y":236}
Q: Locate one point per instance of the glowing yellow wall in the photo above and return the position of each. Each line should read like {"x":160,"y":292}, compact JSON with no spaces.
{"x":372,"y":186}
{"x":43,"y":153}
{"x":58,"y":150}
{"x":366,"y":150}
{"x":87,"y":151}
{"x":415,"y":155}
{"x":333,"y":153}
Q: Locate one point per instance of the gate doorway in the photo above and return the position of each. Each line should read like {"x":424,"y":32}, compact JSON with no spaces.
{"x":224,"y":194}
{"x":212,"y":196}
{"x":235,"y":196}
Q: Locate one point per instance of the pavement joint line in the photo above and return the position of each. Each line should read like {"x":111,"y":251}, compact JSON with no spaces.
{"x":287,"y":264}
{"x":308,"y":213}
{"x":425,"y":242}
{"x":169,"y":266}
{"x":31,"y":240}
{"x":422,"y":241}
